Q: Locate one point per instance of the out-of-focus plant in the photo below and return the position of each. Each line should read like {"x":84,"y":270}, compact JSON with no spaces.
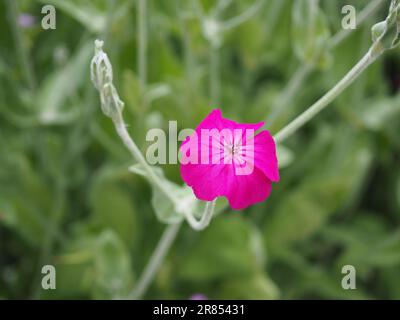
{"x":66,"y":202}
{"x":385,"y":36}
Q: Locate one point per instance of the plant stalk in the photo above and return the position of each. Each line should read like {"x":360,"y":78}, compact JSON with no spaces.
{"x":156,"y":260}
{"x":324,"y":101}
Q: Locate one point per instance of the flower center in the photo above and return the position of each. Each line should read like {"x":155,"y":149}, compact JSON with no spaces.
{"x":233,"y":150}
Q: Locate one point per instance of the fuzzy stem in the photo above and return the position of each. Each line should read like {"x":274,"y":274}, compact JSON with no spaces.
{"x":205,"y":218}
{"x":51,"y":234}
{"x":215,"y":84}
{"x":305,"y":70}
{"x":156,"y":260}
{"x":221,"y":6}
{"x":142,"y":47}
{"x":23,"y":54}
{"x":324,"y":101}
{"x":134,"y":150}
{"x":361,"y":17}
{"x":246,"y":15}
{"x":164,"y":245}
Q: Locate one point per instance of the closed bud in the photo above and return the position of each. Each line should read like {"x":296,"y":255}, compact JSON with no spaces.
{"x":100,"y":68}
{"x":101,"y":74}
{"x":211,"y":31}
{"x":378,"y":30}
{"x":385,"y":34}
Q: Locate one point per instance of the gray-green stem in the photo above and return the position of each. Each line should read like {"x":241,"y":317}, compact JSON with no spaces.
{"x":205,"y":218}
{"x":156,"y":259}
{"x":324,"y":101}
{"x":305,"y":70}
{"x":137,"y":155}
{"x":171,"y":231}
{"x":22,"y":51}
{"x":142,"y":46}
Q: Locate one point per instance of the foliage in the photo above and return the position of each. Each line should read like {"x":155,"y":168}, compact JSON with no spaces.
{"x":68,"y":198}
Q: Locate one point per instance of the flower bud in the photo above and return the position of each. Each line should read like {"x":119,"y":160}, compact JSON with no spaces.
{"x":211,"y":31}
{"x":386,"y":34}
{"x":100,"y":68}
{"x":110,"y":101}
{"x":378,"y":30}
{"x":101,"y":75}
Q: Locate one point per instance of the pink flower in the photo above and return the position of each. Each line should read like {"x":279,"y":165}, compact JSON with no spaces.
{"x":226,"y":158}
{"x":198,"y":296}
{"x":26,"y":20}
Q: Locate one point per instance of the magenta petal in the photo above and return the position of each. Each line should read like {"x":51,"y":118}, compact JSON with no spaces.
{"x":248,"y":190}
{"x":213,"y":120}
{"x":207,"y":181}
{"x":210,"y":180}
{"x":265,"y":155}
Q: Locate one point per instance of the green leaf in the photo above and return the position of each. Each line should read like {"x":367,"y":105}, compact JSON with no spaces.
{"x":92,"y":14}
{"x":306,"y":208}
{"x":113,"y":208}
{"x":112,"y":267}
{"x":255,"y":287}
{"x":131,"y":91}
{"x":310,"y":33}
{"x":376,"y":114}
{"x":229,"y":247}
{"x":60,"y":85}
{"x":26,"y":203}
{"x":285,"y":156}
{"x":369,"y":250}
{"x":95,"y":265}
{"x":164,"y":208}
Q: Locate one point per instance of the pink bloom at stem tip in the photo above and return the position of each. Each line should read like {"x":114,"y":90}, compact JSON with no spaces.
{"x":226,"y":158}
{"x":198,"y":296}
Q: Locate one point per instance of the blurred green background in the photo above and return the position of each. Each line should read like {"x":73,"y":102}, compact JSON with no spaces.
{"x":68,"y":199}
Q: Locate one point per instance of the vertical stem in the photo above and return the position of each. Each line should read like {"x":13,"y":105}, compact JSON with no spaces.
{"x":156,"y":259}
{"x":142,"y":46}
{"x":50,"y":235}
{"x":215,"y":84}
{"x":189,"y":62}
{"x":22,"y":51}
{"x":142,"y":65}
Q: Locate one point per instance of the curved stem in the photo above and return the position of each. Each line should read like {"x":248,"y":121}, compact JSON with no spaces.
{"x":156,"y":260}
{"x":234,"y":22}
{"x":312,"y":111}
{"x":205,"y":218}
{"x":293,"y":86}
{"x":134,"y":150}
{"x":221,"y":6}
{"x":361,"y":17}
